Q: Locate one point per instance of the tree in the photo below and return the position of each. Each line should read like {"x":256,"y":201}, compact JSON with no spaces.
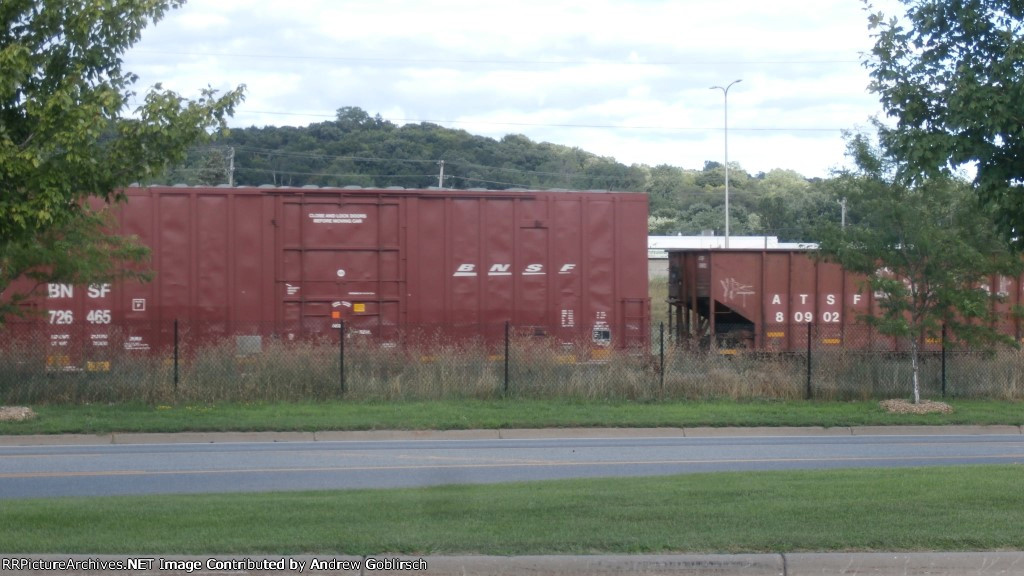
{"x":80,"y":251}
{"x":66,"y":134}
{"x":928,"y":249}
{"x":952,"y":75}
{"x":216,"y":168}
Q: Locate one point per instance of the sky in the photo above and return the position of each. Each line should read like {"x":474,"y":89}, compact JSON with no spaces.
{"x":627,"y":79}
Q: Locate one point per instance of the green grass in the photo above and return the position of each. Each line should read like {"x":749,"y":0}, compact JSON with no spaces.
{"x":489,"y":414}
{"x":956,"y":508}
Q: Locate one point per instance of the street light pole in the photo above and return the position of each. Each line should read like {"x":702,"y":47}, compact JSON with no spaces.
{"x":725,"y":94}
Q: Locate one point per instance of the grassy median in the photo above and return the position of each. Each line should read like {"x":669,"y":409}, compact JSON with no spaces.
{"x":489,"y":414}
{"x":951,"y":508}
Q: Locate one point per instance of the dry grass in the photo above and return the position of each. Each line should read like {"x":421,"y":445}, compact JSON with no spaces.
{"x":16,"y":413}
{"x":908,"y":407}
{"x":424,"y":365}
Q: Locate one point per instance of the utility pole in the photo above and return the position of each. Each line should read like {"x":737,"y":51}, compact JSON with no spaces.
{"x":231,"y":167}
{"x":440,"y":177}
{"x":842,"y":204}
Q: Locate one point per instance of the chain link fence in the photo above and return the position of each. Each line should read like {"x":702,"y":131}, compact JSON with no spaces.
{"x":183,"y":364}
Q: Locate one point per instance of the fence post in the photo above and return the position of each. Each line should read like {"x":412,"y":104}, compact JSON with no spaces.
{"x":504,"y":386}
{"x":943,"y":359}
{"x":341,"y":355}
{"x":175,"y":356}
{"x":661,"y":363}
{"x":809,"y":391}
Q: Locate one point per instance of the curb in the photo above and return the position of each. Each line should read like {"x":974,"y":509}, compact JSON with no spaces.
{"x":497,"y":434}
{"x":877,"y":563}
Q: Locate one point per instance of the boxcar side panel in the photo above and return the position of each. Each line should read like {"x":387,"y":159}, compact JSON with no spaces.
{"x":736,"y":286}
{"x":213,"y":268}
{"x":795,"y":289}
{"x":465,"y":248}
{"x":249,"y":274}
{"x":828,"y":315}
{"x":135,"y":302}
{"x":599,"y":314}
{"x":567,"y":267}
{"x":497,"y":285}
{"x":630,"y":278}
{"x":428,"y":290}
{"x":776,"y":293}
{"x":290,"y":262}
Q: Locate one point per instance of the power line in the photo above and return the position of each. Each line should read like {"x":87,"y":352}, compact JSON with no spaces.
{"x":556,"y":125}
{"x":458,"y":163}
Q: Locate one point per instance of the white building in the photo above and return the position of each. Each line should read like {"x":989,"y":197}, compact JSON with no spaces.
{"x":658,"y":247}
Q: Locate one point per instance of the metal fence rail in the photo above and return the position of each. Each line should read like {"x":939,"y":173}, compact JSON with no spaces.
{"x":39,"y":365}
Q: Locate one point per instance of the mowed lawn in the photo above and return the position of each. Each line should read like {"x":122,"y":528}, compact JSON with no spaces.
{"x":489,"y":414}
{"x":934,"y":508}
{"x":942,"y":508}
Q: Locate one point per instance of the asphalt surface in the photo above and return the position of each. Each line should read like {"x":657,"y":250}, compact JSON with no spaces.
{"x":162,"y":464}
{"x":499,"y":434}
{"x":1008,"y":563}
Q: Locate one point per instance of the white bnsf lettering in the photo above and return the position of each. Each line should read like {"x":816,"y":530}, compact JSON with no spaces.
{"x":60,"y":291}
{"x":465,"y":270}
{"x":500,"y":270}
{"x":99,"y":290}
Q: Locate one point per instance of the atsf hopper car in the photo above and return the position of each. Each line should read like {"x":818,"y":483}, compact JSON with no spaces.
{"x":764,"y":300}
{"x":294,"y":262}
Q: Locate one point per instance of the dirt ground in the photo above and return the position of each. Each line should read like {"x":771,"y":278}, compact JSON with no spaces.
{"x":908,"y":407}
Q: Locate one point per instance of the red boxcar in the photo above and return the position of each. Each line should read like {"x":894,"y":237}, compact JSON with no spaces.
{"x":292,"y":262}
{"x":764,"y":299}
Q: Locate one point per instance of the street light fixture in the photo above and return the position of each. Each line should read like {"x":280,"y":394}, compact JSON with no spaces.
{"x":725,"y":94}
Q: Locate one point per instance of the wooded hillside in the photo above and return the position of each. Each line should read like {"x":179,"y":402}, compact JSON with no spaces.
{"x":362,"y":150}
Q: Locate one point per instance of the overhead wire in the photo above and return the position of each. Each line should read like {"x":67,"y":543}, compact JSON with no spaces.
{"x":605,"y":180}
{"x":448,"y":163}
{"x":585,"y":126}
{"x":571,"y":178}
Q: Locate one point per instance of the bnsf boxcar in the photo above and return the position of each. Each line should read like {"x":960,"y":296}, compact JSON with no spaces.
{"x":764,"y":299}
{"x":293,"y":262}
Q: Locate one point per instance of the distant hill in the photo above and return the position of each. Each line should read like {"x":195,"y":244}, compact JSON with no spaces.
{"x":357,"y":149}
{"x":362,"y":150}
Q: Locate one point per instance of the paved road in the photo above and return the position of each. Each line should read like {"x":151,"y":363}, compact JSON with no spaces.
{"x":151,"y":464}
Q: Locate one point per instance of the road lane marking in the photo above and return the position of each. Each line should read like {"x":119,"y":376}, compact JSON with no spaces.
{"x":523,"y":464}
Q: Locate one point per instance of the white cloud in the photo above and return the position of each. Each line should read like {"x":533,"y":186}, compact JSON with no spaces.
{"x":627,"y":79}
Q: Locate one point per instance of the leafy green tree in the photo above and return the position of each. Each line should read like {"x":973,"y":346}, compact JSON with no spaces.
{"x":928,"y":249}
{"x":951,"y":73}
{"x":790,"y":206}
{"x":79,"y":251}
{"x":216,"y":168}
{"x":700,"y":217}
{"x":664,"y":186}
{"x":66,"y":133}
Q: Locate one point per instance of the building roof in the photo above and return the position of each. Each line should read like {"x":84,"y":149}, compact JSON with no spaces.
{"x":658,"y":246}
